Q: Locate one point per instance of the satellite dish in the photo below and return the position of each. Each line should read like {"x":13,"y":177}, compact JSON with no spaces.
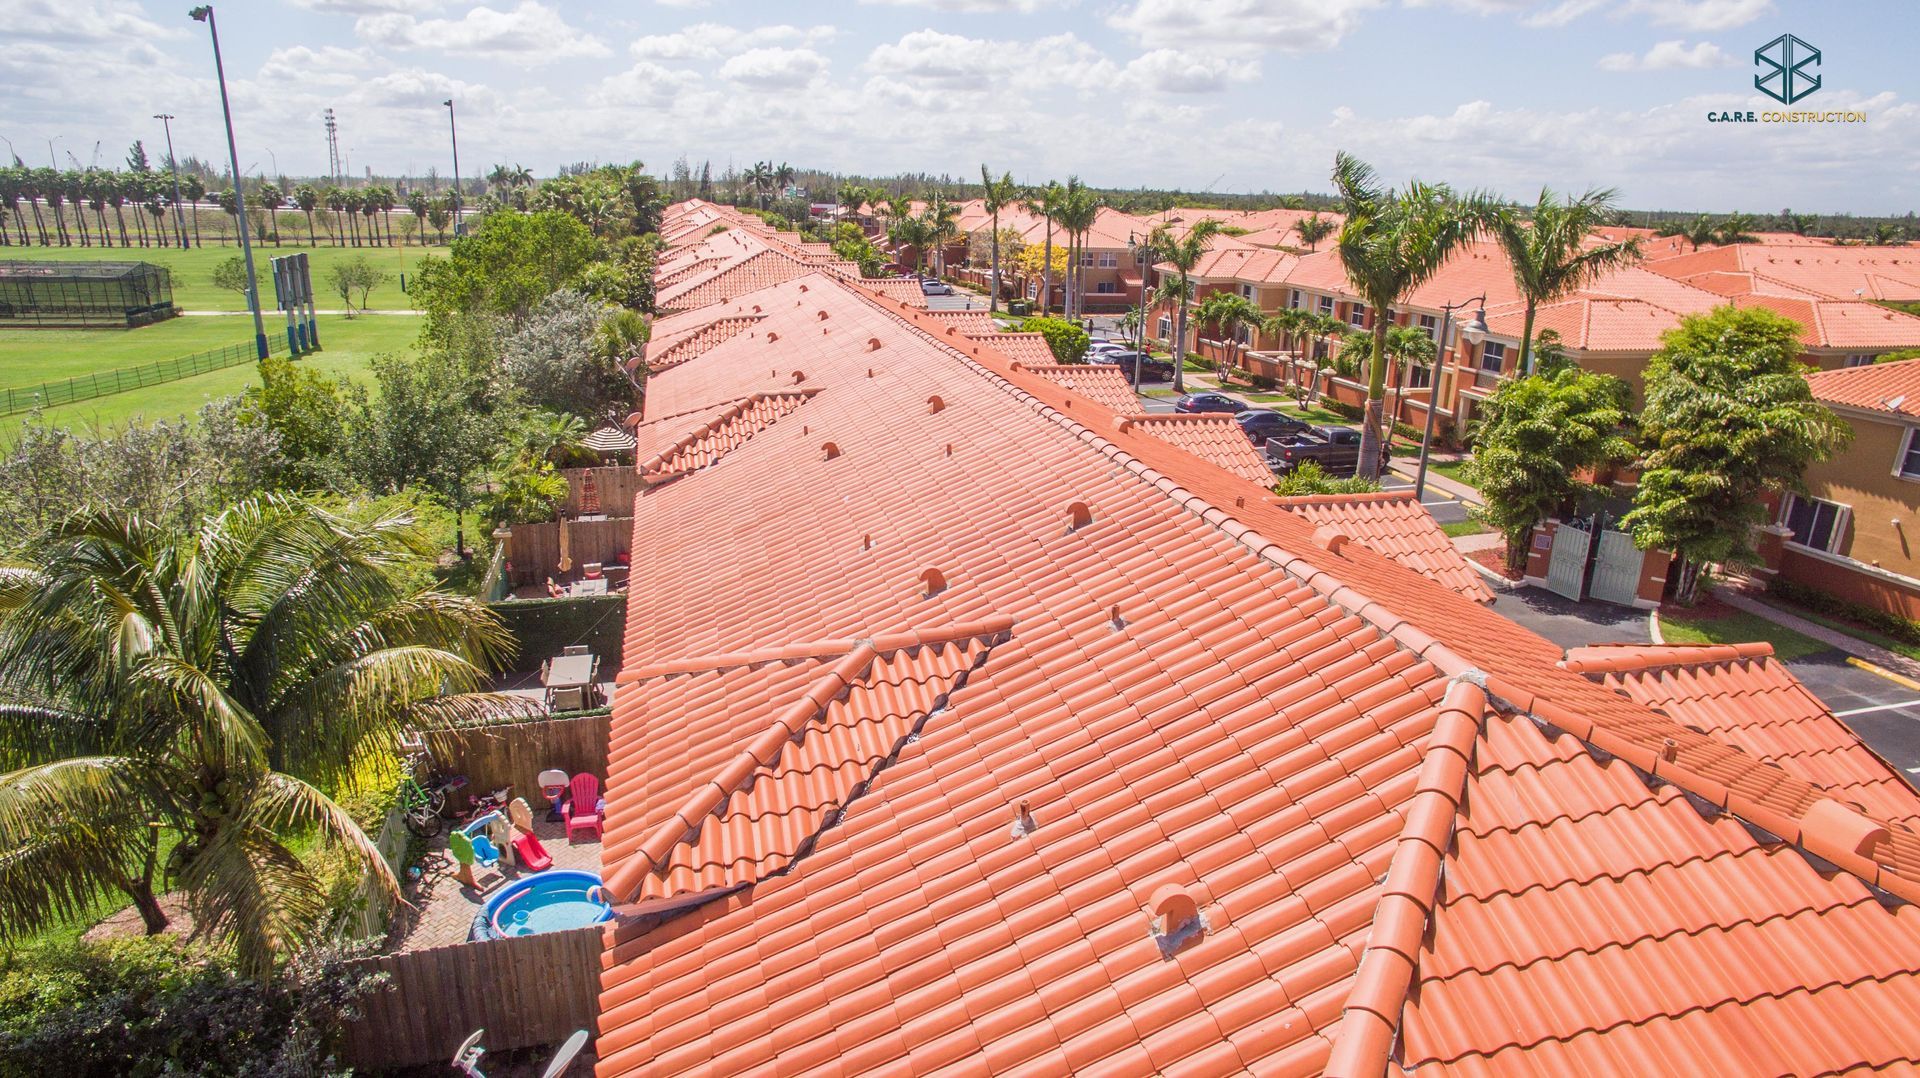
{"x":566,"y":1054}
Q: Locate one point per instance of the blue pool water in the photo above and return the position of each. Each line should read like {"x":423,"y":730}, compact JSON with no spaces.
{"x":547,"y":902}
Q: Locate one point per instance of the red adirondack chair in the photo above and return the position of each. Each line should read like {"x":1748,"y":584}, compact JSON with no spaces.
{"x":582,"y":811}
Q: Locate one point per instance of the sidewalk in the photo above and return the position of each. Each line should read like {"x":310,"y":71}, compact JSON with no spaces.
{"x":1872,"y":653}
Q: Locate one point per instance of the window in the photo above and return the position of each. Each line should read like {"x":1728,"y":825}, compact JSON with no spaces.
{"x":1814,"y":522}
{"x":1294,"y":300}
{"x":1243,"y":334}
{"x":1493,"y":356}
{"x":1109,"y":260}
{"x":1105,"y":288}
{"x":1246,"y":291}
{"x":1357,"y":315}
{"x":1431,"y":326}
{"x":1165,"y":328}
{"x":1909,"y":464}
{"x":1419,"y":377}
{"x":1860,"y":361}
{"x":1086,"y":258}
{"x":1326,"y":304}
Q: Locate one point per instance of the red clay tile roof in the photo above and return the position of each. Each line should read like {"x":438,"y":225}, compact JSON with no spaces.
{"x":1029,"y":348}
{"x":725,"y":431}
{"x":1101,"y":383}
{"x":1742,"y":695}
{"x":760,"y":270}
{"x":1214,"y":438}
{"x":1198,"y":694}
{"x":972,"y":322}
{"x":692,"y":343}
{"x":1889,"y":388}
{"x":1394,"y":524}
{"x":1824,"y":269}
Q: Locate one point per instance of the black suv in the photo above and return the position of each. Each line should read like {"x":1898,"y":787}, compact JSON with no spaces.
{"x":1151,"y":369}
{"x":1263,"y":423}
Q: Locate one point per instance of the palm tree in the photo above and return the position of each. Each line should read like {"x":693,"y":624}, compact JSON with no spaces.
{"x":271,"y":199}
{"x":1312,"y":230}
{"x":73,"y":184}
{"x":1799,"y":223}
{"x":1229,"y":313}
{"x":557,"y":439}
{"x":12,"y":187}
{"x":116,"y":187}
{"x":1289,"y":324}
{"x":997,"y":195}
{"x":942,"y":225}
{"x":1045,"y":202}
{"x":760,"y":178}
{"x":195,"y":189}
{"x":418,"y":204}
{"x":1184,"y":253}
{"x":1735,"y":228}
{"x":96,"y":185}
{"x":906,"y":230}
{"x":1553,"y":254}
{"x":307,"y":197}
{"x":1697,"y":231}
{"x":370,"y":209}
{"x":1392,"y":242}
{"x":206,"y":685}
{"x":1079,"y":209}
{"x":1886,"y":234}
{"x":783,"y":175}
{"x":33,"y":189}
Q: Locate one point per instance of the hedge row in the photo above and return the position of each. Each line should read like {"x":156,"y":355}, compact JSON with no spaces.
{"x":542,"y":627}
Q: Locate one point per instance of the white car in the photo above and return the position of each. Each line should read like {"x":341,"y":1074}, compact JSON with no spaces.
{"x":1100,"y":348}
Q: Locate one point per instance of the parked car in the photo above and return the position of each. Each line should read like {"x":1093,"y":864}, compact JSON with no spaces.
{"x":933,"y":286}
{"x":1209,"y":402}
{"x":1261,"y":424}
{"x":1151,"y":369}
{"x":1100,"y":348}
{"x":1335,"y":449}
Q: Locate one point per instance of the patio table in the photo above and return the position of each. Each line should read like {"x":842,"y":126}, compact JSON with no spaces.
{"x":569,"y":671}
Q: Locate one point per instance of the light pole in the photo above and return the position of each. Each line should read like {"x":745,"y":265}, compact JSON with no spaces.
{"x":1474,"y":331}
{"x":173,"y":166}
{"x":453,"y":131}
{"x":204,"y":13}
{"x":52,"y":160}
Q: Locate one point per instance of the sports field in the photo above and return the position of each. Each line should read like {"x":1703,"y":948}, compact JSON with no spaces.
{"x":192,"y":270}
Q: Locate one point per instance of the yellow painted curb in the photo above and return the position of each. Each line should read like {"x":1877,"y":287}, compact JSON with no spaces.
{"x":1897,"y":679}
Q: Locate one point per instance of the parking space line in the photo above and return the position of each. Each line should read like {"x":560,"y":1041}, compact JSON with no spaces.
{"x":1871,"y":668}
{"x":1874,"y":708}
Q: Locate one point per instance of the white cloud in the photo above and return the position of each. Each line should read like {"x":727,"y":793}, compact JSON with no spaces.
{"x":326,"y":64}
{"x":1243,"y":25}
{"x":712,"y":41}
{"x":529,"y":33}
{"x":684,"y":3}
{"x":971,"y":7}
{"x":1175,"y":72}
{"x":1668,"y":56}
{"x":83,"y":20}
{"x":951,"y":63}
{"x":775,"y":68}
{"x":1700,"y":15}
{"x":367,"y":7}
{"x":1562,"y":13}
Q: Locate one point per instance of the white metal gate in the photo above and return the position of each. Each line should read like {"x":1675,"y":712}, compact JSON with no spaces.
{"x":1616,"y":573}
{"x":1567,"y":564}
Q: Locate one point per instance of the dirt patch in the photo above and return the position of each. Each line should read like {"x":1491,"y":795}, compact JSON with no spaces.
{"x":126,"y":921}
{"x":1495,"y":558}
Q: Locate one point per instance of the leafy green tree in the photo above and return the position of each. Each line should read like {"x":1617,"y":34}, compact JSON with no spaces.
{"x":231,"y":275}
{"x":1229,"y":313}
{"x":1393,"y":242}
{"x":505,"y":266}
{"x":1311,"y":478}
{"x":1728,"y":421}
{"x":850,"y":243}
{"x":996,"y":195}
{"x":1553,"y":251}
{"x":1312,"y":229}
{"x":208,"y":683}
{"x":524,"y":492}
{"x":350,"y":275}
{"x":431,"y":423}
{"x":564,"y":358}
{"x":1067,"y":340}
{"x":1697,"y":231}
{"x":1538,"y":436}
{"x":307,"y":412}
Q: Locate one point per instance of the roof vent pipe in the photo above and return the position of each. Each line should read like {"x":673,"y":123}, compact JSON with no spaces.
{"x":873,"y":344}
{"x":935,"y":404}
{"x":1078,"y":516}
{"x":934,"y":581}
{"x":1023,"y":822}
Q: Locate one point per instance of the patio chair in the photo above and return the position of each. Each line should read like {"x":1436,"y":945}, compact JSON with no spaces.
{"x":568,"y":699}
{"x":582,"y":810}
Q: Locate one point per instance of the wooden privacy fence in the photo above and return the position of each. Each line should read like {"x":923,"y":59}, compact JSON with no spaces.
{"x":618,"y":487}
{"x":515,"y":753}
{"x":533,"y":550}
{"x":523,"y":990}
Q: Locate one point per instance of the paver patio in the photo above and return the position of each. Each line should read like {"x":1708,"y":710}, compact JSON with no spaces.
{"x":444,"y":908}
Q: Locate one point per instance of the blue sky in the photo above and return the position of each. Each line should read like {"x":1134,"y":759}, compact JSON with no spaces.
{"x":1236,"y":95}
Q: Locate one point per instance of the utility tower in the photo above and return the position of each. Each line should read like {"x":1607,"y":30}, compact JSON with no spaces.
{"x":333,"y":147}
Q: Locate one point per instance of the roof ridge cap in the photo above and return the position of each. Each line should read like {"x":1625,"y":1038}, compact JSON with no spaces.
{"x":1827,"y":827}
{"x":1358,"y":497}
{"x":1599,"y":659}
{"x":1384,"y":974}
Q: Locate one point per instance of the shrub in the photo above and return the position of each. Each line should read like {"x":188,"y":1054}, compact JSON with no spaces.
{"x":1066,"y":339}
{"x":1342,"y":408}
{"x":1310,"y":478}
{"x":1905,"y":630}
{"x":154,"y":1005}
{"x":1262,"y":382}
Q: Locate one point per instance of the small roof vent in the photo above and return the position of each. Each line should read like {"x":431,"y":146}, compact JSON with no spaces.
{"x":829,"y":451}
{"x":1078,"y":516}
{"x":873,"y":344}
{"x":1023,"y":822}
{"x":935,"y":404}
{"x":933,"y":582}
{"x":822,"y":315}
{"x":772,"y":336}
{"x":1331,"y":538}
{"x":799,"y":377}
{"x":1176,"y":920}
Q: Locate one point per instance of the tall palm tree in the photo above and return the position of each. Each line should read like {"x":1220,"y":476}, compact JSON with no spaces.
{"x":195,"y":189}
{"x":1392,"y":242}
{"x":1312,"y":230}
{"x":1552,"y":251}
{"x":997,"y":195}
{"x":783,"y":175}
{"x":307,"y":198}
{"x":1079,"y":209}
{"x":73,"y":184}
{"x":33,"y":188}
{"x":942,"y":221}
{"x":95,"y":186}
{"x":1229,"y":313}
{"x":1183,"y":252}
{"x":271,"y":199}
{"x":1045,"y":202}
{"x":1735,"y":228}
{"x":116,"y":188}
{"x":1697,"y":231}
{"x":419,"y":204}
{"x":12,"y":188}
{"x":207,"y":685}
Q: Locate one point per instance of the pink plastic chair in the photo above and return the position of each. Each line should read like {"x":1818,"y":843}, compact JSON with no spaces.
{"x":582,"y":808}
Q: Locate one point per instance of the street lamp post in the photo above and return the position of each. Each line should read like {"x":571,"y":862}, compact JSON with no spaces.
{"x":51,"y":159}
{"x":453,"y":131}
{"x":1474,"y":331}
{"x":204,"y":13}
{"x":173,"y":166}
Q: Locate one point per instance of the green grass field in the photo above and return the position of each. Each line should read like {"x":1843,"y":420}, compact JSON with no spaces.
{"x":1736,"y":627}
{"x":349,"y":345}
{"x":192,"y":270}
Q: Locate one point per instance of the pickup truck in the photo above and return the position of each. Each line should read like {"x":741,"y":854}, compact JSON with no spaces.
{"x":1335,"y":449}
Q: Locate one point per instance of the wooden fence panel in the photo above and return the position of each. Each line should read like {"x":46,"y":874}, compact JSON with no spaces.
{"x":533,"y":550}
{"x":515,"y":753}
{"x":523,"y":990}
{"x":618,"y":487}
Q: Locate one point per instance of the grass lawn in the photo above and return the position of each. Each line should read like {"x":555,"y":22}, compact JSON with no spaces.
{"x":1267,"y":398}
{"x":1858,"y":632}
{"x":1455,"y":470}
{"x":1319,"y":417}
{"x":1726,"y":626}
{"x":1465,"y":527}
{"x":192,"y":271}
{"x":1163,"y":394}
{"x":349,"y":345}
